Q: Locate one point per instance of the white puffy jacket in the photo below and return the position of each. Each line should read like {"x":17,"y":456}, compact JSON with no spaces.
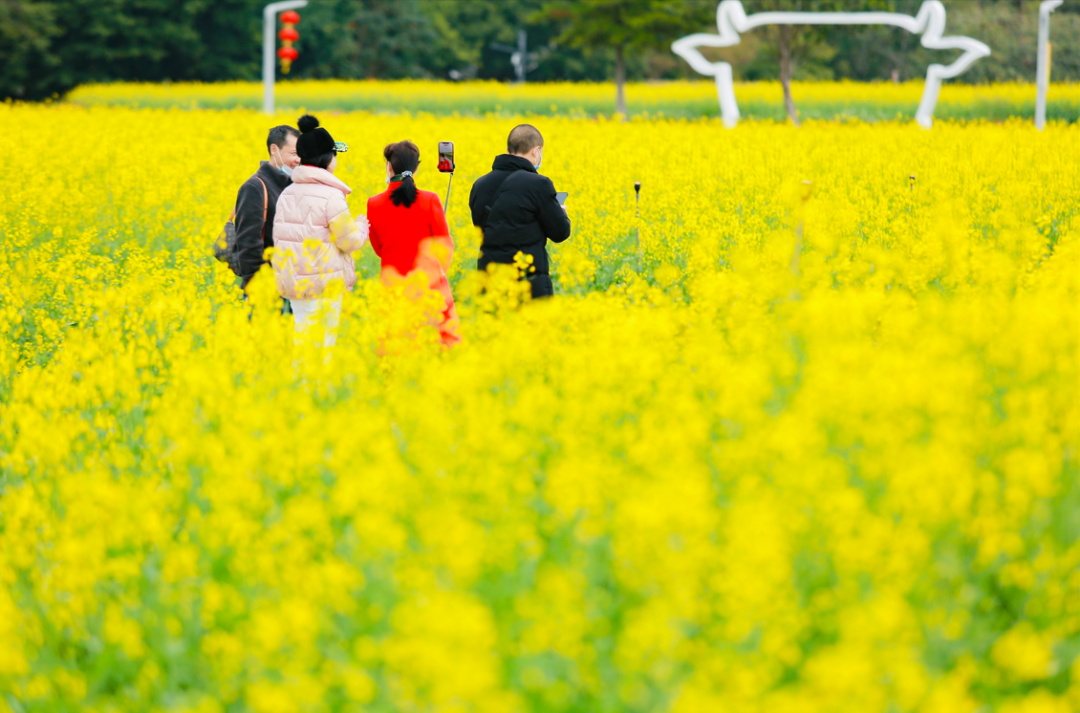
{"x":314,"y":235}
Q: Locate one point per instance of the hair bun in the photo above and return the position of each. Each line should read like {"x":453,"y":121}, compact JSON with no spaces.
{"x":307,"y":123}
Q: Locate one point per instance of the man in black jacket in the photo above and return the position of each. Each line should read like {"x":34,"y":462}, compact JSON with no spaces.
{"x":254,"y":232}
{"x":517,"y":210}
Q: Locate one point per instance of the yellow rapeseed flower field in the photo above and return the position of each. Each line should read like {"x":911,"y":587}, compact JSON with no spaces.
{"x":882,"y":100}
{"x":802,"y":437}
{"x":292,"y":91}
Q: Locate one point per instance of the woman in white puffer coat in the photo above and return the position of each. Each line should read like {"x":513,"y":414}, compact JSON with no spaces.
{"x":314,"y":234}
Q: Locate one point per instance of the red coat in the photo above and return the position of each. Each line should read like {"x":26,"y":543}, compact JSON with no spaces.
{"x":411,"y":239}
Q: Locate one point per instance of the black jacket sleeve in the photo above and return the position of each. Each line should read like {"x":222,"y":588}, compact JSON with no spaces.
{"x":472,"y":203}
{"x":553,"y":219}
{"x":249,"y":229}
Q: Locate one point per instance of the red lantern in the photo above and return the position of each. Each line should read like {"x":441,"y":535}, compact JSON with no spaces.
{"x":288,"y":35}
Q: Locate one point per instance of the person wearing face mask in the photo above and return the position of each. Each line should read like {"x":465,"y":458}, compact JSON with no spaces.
{"x":256,"y":202}
{"x":315,"y":236}
{"x":517,"y":211}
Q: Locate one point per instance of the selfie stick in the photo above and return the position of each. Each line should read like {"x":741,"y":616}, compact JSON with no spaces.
{"x":446,"y":205}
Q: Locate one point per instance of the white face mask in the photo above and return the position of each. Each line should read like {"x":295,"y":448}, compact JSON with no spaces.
{"x":285,"y":170}
{"x":539,"y":163}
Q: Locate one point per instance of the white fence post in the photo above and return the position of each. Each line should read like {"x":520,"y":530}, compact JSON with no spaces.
{"x":1042,"y":63}
{"x":270,"y":13}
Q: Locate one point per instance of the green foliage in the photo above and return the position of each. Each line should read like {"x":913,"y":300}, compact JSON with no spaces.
{"x":391,"y":39}
{"x":59,"y":44}
{"x":874,"y":53}
{"x":623,"y":25}
{"x":49,"y":46}
{"x":630,"y":24}
{"x":808,"y":46}
{"x":1012,"y":34}
{"x":26,"y":29}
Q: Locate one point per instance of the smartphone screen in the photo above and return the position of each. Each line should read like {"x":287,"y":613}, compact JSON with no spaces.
{"x":446,"y":156}
{"x":561,"y":197}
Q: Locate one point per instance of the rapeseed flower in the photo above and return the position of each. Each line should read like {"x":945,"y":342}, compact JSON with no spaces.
{"x":771,"y":448}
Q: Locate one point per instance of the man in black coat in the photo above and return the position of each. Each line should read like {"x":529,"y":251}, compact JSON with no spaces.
{"x":517,"y":210}
{"x":254,"y":232}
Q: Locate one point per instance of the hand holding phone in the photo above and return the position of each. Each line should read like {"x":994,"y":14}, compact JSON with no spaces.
{"x":561,"y":197}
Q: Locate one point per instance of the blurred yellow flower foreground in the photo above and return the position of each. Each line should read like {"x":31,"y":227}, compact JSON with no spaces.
{"x":810,"y":447}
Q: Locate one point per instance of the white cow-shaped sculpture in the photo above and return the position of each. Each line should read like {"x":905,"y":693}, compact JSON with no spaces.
{"x":731,"y":19}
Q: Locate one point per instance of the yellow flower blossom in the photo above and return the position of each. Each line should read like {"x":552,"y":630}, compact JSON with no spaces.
{"x":773,"y":446}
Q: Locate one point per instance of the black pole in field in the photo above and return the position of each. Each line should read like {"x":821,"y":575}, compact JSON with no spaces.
{"x":637,"y":214}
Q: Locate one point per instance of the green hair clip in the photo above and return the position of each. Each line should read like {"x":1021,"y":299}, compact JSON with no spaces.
{"x":341,"y":146}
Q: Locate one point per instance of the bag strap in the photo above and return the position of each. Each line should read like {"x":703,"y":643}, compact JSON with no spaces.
{"x":498,"y":192}
{"x":266,"y":204}
{"x":266,"y":199}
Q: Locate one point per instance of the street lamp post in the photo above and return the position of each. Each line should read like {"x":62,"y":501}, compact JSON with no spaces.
{"x":270,"y":13}
{"x":522,"y":60}
{"x":1042,"y":64}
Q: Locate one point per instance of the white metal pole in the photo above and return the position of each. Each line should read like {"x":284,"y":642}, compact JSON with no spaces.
{"x":270,"y":13}
{"x":1042,"y":68}
{"x":523,"y":56}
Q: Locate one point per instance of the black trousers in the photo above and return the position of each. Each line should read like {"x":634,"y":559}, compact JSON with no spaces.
{"x":541,"y":285}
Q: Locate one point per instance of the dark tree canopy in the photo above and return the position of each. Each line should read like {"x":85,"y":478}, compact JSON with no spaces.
{"x":48,"y":47}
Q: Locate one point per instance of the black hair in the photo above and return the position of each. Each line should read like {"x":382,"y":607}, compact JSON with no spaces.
{"x":321,"y":161}
{"x":523,"y":138}
{"x":278,"y":135}
{"x":403,"y":156}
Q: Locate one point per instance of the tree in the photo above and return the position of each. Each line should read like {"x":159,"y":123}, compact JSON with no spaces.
{"x":377,"y":39}
{"x":141,"y":40}
{"x":49,"y":46}
{"x":794,"y":43}
{"x":26,"y":31}
{"x":467,"y":29}
{"x":625,"y":25}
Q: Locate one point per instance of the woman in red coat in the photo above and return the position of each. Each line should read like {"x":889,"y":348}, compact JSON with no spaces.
{"x":409,"y":232}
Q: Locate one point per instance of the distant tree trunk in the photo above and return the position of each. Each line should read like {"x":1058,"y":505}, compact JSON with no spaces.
{"x":787,"y":68}
{"x":620,"y":81}
{"x":898,"y":58}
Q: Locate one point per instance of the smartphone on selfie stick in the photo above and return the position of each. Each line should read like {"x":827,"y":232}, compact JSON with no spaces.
{"x":446,"y":165}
